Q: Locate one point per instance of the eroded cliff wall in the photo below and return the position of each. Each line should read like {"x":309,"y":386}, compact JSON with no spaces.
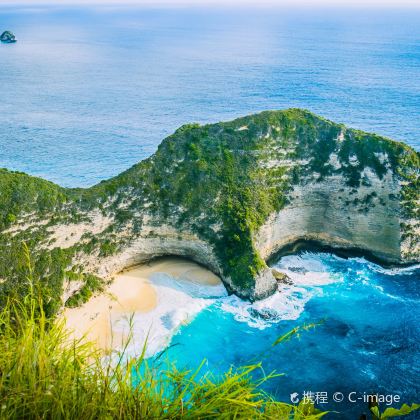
{"x":337,"y":215}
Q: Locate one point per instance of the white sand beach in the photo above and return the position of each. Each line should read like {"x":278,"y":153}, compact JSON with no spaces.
{"x":152,"y":300}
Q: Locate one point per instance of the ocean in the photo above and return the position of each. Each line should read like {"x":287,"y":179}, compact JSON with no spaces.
{"x":88,"y":92}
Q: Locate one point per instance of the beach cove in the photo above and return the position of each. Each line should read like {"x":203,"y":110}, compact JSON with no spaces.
{"x":153,"y":300}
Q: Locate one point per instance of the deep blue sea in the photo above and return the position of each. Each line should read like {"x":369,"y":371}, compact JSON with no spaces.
{"x":87,"y":92}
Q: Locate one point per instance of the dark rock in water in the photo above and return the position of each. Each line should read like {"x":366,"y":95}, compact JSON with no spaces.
{"x":300,"y":270}
{"x":7,"y":37}
{"x":265,"y":314}
{"x":281,"y":277}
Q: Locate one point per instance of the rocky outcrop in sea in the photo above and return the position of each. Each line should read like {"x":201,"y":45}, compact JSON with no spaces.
{"x":7,"y":37}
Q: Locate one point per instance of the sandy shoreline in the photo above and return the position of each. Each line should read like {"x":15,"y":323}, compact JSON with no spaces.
{"x":138,"y":294}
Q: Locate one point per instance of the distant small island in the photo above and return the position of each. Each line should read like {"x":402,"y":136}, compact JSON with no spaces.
{"x":7,"y":37}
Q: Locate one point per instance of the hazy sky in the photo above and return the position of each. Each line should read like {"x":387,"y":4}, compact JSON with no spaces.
{"x":378,"y":3}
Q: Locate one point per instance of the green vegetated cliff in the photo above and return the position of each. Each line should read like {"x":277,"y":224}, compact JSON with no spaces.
{"x":207,"y":193}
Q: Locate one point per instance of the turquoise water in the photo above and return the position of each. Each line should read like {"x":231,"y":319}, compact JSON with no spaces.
{"x":86,"y":93}
{"x":368,"y":341}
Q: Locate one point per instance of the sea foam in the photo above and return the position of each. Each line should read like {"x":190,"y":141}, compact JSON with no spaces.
{"x":178,"y":302}
{"x":308,"y":274}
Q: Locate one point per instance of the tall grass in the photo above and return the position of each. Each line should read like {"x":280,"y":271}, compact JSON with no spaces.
{"x":46,"y":374}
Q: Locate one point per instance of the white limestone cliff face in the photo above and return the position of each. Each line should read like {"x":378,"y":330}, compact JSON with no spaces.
{"x":154,"y":241}
{"x":67,"y":235}
{"x":329,"y":212}
{"x":160,"y":239}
